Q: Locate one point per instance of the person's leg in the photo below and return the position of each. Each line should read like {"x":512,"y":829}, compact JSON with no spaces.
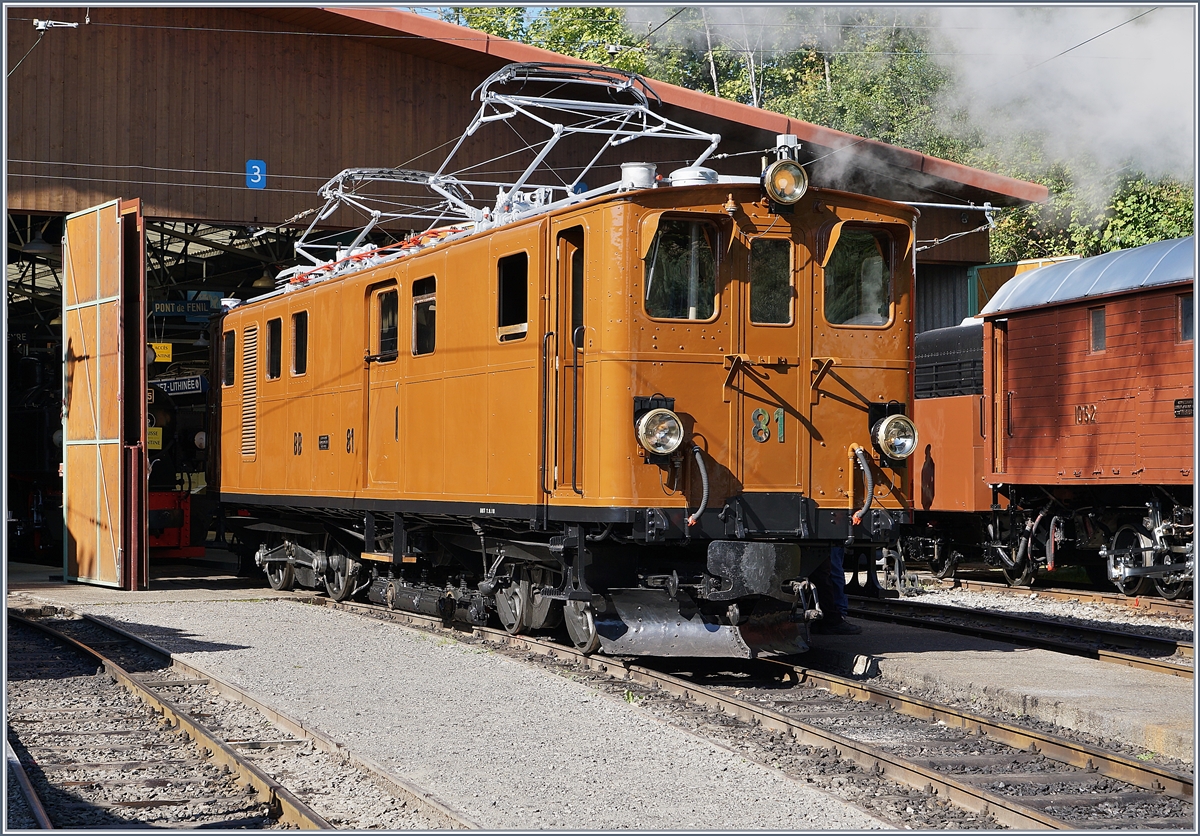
{"x":829,"y":585}
{"x":838,"y":577}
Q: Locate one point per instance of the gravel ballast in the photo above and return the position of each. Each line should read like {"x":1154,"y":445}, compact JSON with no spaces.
{"x":510,"y":746}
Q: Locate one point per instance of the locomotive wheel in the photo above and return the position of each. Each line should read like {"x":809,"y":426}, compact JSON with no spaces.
{"x":943,"y":566}
{"x":512,"y":604}
{"x":340,"y":583}
{"x":581,"y":626}
{"x":1022,"y":576}
{"x":280,"y":576}
{"x":1171,"y":591}
{"x":1127,"y":537}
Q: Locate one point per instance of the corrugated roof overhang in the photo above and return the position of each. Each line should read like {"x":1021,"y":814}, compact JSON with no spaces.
{"x":839,"y":160}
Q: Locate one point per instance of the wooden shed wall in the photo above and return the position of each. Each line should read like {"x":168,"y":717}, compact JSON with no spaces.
{"x":169,"y":104}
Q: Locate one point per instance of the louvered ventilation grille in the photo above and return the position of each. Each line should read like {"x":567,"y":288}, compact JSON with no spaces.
{"x":250,"y":392}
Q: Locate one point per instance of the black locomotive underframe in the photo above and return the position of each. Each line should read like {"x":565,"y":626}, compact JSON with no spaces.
{"x":1104,"y":507}
{"x":779,"y":515}
{"x":748,"y":547}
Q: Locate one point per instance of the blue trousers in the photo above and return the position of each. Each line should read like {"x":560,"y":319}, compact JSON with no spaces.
{"x":838,"y":578}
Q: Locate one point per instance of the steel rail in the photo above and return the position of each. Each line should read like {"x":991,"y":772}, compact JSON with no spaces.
{"x":421,"y":798}
{"x":288,"y":808}
{"x":1141,"y":602}
{"x":1007,"y":627}
{"x":1147,"y":776}
{"x":15,"y":767}
{"x":1005,"y":810}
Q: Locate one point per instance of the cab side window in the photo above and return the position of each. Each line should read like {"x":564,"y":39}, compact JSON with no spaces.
{"x":858,"y":279}
{"x":389,"y":324}
{"x":300,"y":343}
{"x":229,"y":352}
{"x":512,"y":318}
{"x":274,"y":348}
{"x":424,"y":302}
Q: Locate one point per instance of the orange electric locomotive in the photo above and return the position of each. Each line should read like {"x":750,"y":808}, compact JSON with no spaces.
{"x":646,"y":409}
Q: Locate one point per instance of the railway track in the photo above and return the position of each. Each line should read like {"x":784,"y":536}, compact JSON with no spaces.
{"x":1139,"y":602}
{"x":134,"y":739}
{"x":1019,"y":778}
{"x":1162,"y":655}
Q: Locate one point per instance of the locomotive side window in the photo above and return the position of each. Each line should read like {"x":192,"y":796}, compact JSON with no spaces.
{"x":1186,"y":318}
{"x":512,"y":317}
{"x":424,"y":315}
{"x":681,"y":271}
{"x":1097,"y":328}
{"x":771,"y":281}
{"x":389,"y":324}
{"x":229,"y":348}
{"x":274,"y":348}
{"x":858,"y":279}
{"x":300,"y":342}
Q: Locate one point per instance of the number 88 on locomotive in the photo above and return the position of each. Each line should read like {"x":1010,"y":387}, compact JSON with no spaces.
{"x":643,"y":412}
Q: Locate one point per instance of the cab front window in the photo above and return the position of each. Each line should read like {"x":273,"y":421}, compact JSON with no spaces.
{"x":681,"y":271}
{"x":858,"y":279}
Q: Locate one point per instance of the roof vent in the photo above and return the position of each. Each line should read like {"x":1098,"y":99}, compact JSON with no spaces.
{"x":638,"y":175}
{"x":693,"y":176}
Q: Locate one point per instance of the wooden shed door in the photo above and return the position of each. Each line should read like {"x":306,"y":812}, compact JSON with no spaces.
{"x":104,"y":400}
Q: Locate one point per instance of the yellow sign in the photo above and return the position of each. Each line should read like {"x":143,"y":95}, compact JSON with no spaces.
{"x":153,"y":438}
{"x":162,"y":352}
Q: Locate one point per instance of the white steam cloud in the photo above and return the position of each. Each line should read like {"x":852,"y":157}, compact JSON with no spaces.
{"x":1110,"y":84}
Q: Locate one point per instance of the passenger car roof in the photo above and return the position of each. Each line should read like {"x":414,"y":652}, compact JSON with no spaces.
{"x":1165,"y":262}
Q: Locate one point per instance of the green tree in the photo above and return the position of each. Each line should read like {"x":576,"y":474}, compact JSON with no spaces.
{"x":1130,"y":211}
{"x":510,"y":22}
{"x":594,"y":34}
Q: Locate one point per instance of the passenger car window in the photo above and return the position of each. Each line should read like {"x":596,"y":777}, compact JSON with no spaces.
{"x":681,"y":271}
{"x":1099,"y":338}
{"x":771,"y":281}
{"x":424,"y":315}
{"x":858,"y":279}
{"x":1186,"y":318}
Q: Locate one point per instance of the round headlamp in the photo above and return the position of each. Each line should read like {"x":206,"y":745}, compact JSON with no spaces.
{"x":896,"y":436}
{"x":785,"y":181}
{"x":660,"y":431}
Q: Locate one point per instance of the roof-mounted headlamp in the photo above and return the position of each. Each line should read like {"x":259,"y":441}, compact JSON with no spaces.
{"x":785,"y":182}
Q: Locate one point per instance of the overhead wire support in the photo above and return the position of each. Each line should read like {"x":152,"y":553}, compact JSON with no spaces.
{"x":545,"y":95}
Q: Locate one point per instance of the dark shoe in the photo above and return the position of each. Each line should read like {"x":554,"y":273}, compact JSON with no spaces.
{"x":841,"y":627}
